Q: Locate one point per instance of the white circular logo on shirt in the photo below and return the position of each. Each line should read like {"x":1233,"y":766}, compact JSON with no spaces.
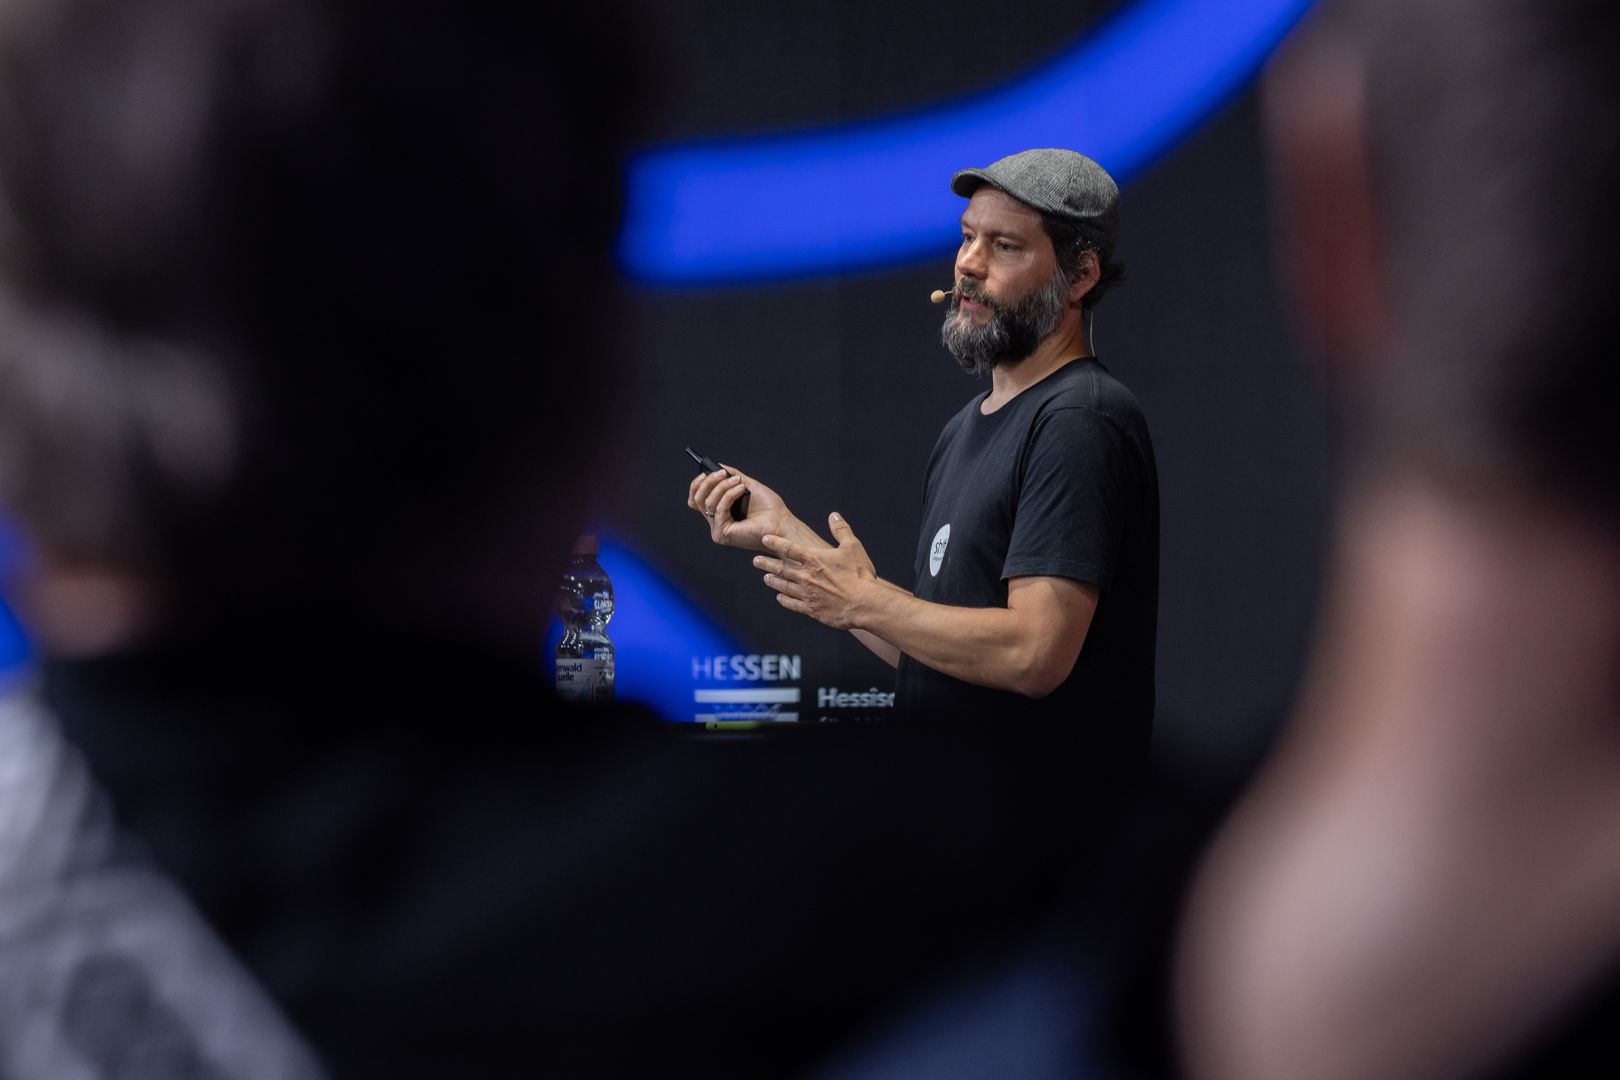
{"x":936,"y":553}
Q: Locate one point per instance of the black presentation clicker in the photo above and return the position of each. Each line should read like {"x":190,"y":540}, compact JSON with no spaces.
{"x":739,"y":509}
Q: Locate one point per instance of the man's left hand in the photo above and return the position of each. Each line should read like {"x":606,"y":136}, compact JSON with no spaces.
{"x":828,"y":585}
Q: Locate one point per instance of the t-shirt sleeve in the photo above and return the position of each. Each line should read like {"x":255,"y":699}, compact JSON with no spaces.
{"x":1073,"y":503}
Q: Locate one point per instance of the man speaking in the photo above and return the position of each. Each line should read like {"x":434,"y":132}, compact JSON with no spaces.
{"x":1036,"y":589}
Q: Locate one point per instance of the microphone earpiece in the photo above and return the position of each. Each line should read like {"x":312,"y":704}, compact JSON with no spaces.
{"x":939,"y":294}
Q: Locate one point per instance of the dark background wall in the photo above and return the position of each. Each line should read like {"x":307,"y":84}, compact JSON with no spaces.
{"x":833,"y":390}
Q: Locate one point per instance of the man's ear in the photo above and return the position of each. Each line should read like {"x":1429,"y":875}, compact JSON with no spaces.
{"x":1086,"y":279}
{"x":1328,"y":230}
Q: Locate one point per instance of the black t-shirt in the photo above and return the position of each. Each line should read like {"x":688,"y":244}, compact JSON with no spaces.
{"x":1060,"y":481}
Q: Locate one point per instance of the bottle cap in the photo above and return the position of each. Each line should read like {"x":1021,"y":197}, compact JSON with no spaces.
{"x":585,"y":545}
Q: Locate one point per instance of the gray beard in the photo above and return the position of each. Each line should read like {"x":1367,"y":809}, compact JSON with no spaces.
{"x":1012,"y":333}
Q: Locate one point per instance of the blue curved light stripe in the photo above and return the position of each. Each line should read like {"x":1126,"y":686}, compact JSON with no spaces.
{"x":859,"y":195}
{"x":15,"y":650}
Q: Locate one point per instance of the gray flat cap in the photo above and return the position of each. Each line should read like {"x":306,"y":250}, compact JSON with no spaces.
{"x":1062,"y":183}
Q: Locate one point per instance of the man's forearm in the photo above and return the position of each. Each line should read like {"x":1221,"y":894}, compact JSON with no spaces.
{"x":886,"y":651}
{"x":800,"y":533}
{"x":1029,"y":646}
{"x":889,"y":654}
{"x":994,"y":647}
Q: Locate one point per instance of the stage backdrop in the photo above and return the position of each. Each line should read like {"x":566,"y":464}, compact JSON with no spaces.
{"x":788,"y":220}
{"x":790,"y":213}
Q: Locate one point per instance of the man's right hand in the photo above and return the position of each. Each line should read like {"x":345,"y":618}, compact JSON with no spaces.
{"x":713,"y":494}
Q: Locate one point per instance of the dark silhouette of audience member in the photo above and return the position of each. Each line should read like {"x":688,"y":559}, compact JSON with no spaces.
{"x":301,"y":307}
{"x":1426,"y":879}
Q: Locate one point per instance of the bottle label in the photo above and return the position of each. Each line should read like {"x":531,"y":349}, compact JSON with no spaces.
{"x":588,"y":681}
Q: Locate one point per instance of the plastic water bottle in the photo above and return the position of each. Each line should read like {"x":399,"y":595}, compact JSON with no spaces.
{"x":584,"y":670}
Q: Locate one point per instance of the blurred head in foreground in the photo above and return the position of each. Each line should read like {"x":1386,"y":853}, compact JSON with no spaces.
{"x":1427,"y":873}
{"x":299,"y":303}
{"x":1447,"y":172}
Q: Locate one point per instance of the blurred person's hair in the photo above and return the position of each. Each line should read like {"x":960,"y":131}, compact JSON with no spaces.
{"x":1494,"y":139}
{"x":293,"y":292}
